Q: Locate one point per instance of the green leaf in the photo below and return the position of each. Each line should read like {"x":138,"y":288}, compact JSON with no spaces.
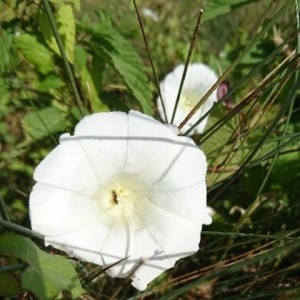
{"x":124,"y":59}
{"x":46,"y":275}
{"x":35,"y":52}
{"x":286,"y":171}
{"x":3,"y":91}
{"x":87,"y":81}
{"x":7,"y":51}
{"x":10,"y":9}
{"x":66,"y":28}
{"x":42,"y":123}
{"x":9,"y":285}
{"x":75,"y":3}
{"x":217,"y":8}
{"x":224,"y":150}
{"x":52,"y":81}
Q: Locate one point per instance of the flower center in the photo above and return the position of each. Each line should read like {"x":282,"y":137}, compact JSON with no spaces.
{"x":118,"y":197}
{"x":188,"y":100}
{"x":121,"y":199}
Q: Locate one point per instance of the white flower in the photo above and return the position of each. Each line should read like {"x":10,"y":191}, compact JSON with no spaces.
{"x":199,"y":79}
{"x":124,"y":186}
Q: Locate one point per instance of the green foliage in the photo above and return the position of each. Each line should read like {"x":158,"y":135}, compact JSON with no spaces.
{"x":91,"y":85}
{"x":120,"y":54}
{"x":39,"y":124}
{"x":10,"y":9}
{"x":286,"y":164}
{"x":75,"y":3}
{"x":7,"y":53}
{"x":51,"y":274}
{"x":9,"y":284}
{"x":35,"y":52}
{"x":217,"y":8}
{"x":66,"y":28}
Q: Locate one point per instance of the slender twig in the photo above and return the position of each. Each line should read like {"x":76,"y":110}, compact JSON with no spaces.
{"x":255,"y":235}
{"x":142,"y":261}
{"x":150,"y":59}
{"x":3,"y":210}
{"x":187,"y":62}
{"x":98,"y":271}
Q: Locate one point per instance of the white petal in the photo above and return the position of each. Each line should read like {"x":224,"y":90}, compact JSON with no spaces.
{"x":103,"y":138}
{"x":85,"y":243}
{"x":200,"y":78}
{"x":67,"y":167}
{"x":55,"y":211}
{"x":119,"y":245}
{"x":108,"y":124}
{"x":188,"y":203}
{"x":179,"y":176}
{"x":186,"y":166}
{"x":158,"y":155}
{"x":165,"y":239}
{"x":182,"y":166}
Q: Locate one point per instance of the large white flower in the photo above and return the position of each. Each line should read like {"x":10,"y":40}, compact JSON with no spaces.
{"x":199,"y":79}
{"x":123,"y":186}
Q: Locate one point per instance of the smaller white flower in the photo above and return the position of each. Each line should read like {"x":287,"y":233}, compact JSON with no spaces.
{"x":199,"y":79}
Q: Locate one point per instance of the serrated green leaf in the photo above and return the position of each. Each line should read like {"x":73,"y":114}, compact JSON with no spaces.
{"x":35,"y":52}
{"x":66,"y":28}
{"x":125,"y":60}
{"x":42,"y":123}
{"x":217,"y":8}
{"x":52,"y":81}
{"x":46,"y":275}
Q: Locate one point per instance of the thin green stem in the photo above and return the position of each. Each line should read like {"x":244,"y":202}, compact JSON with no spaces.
{"x":150,"y":59}
{"x":279,"y":237}
{"x":64,"y":56}
{"x":12,"y":268}
{"x":3,"y":210}
{"x":20,"y":229}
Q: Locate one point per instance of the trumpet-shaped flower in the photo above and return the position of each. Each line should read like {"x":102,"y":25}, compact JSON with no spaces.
{"x":124,"y":186}
{"x":199,"y":79}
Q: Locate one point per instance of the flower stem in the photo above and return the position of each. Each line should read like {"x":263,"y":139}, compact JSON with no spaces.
{"x":20,"y":229}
